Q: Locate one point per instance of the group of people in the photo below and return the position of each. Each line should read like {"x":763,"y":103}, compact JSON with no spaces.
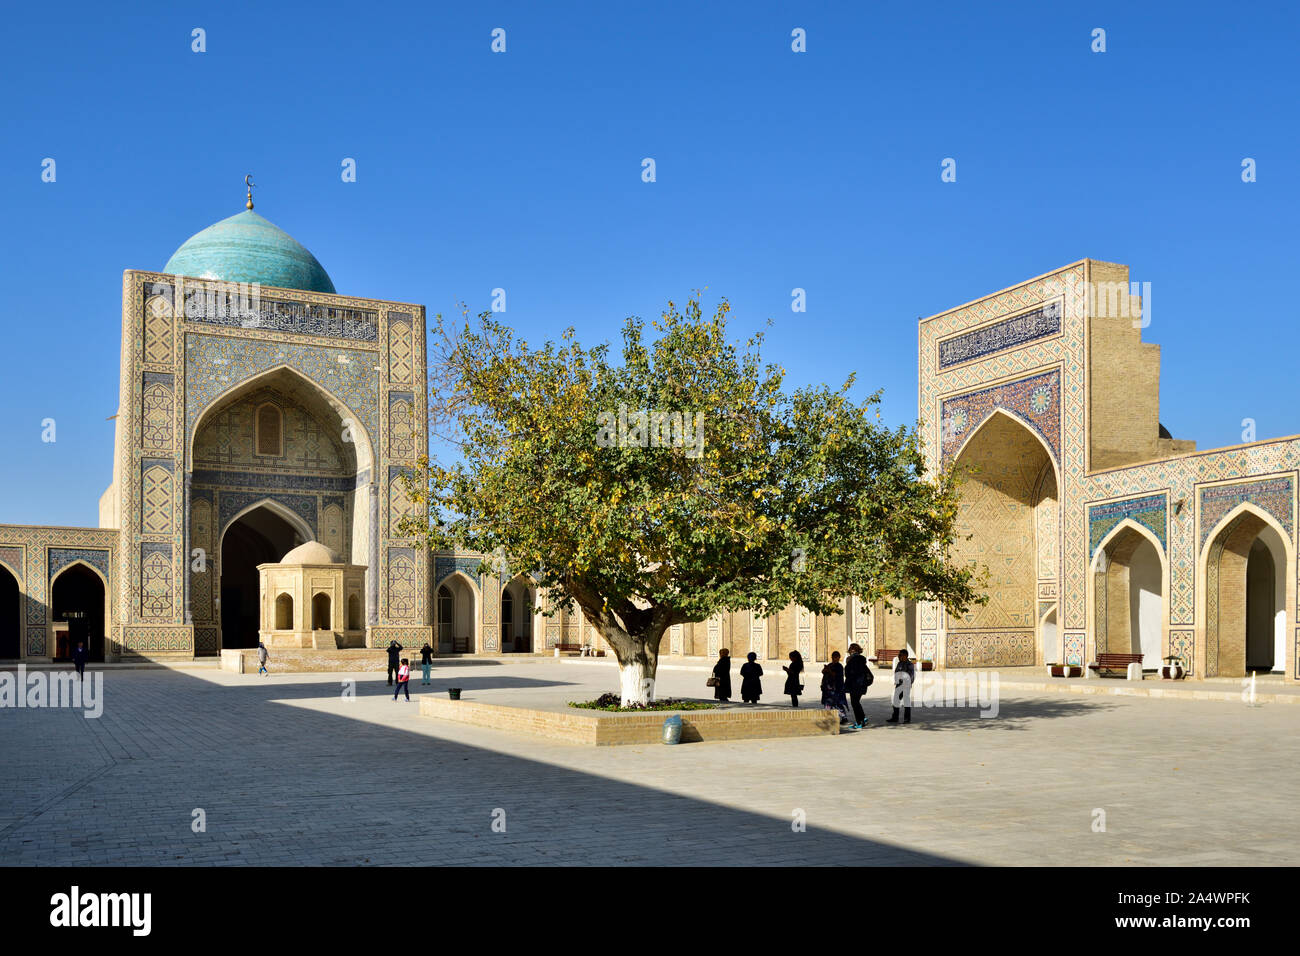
{"x":398,"y":666}
{"x":842,"y":688}
{"x":401,"y":668}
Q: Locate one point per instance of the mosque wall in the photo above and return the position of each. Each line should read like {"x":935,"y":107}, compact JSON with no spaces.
{"x":34,"y":557}
{"x":347,"y":377}
{"x":1058,"y":360}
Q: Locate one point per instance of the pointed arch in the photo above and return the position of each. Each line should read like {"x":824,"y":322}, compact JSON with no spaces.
{"x":295,"y":520}
{"x":244,"y":542}
{"x":458,"y":613}
{"x":1128,"y":592}
{"x":1248,"y":507}
{"x":1007,"y":465}
{"x":1023,"y":423}
{"x":56,"y":574}
{"x":268,"y":430}
{"x":1131,"y":525}
{"x":103,"y":616}
{"x":360,"y":436}
{"x":518,"y":608}
{"x":1224,"y":569}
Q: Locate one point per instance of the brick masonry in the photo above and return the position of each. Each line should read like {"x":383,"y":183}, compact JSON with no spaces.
{"x":600,"y":729}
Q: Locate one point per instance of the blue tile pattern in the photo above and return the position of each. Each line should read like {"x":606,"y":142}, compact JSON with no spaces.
{"x":1007,"y":334}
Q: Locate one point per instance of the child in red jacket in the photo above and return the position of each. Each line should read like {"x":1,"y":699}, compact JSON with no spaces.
{"x":403,"y":679}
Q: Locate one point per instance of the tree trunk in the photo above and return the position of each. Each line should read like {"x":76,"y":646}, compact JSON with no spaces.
{"x":638,"y":660}
{"x":636,"y":680}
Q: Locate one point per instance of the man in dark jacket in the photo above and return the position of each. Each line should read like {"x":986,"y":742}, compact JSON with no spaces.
{"x":394,"y":660}
{"x":904,"y":676}
{"x":426,"y":660}
{"x":857,"y":678}
{"x":79,"y":657}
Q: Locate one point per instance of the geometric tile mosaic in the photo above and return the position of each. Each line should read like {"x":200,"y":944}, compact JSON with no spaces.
{"x":60,"y":558}
{"x":1034,"y":401}
{"x":1148,"y":511}
{"x":1274,"y":495}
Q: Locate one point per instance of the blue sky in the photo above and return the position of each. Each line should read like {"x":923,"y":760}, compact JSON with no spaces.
{"x":775,"y":170}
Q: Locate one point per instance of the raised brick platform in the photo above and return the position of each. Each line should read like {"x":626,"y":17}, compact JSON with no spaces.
{"x":602,"y":729}
{"x":294,"y":660}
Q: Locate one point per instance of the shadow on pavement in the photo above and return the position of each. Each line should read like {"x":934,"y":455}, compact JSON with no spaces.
{"x":285,"y":784}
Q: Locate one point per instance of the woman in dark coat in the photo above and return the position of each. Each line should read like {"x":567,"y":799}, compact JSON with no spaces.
{"x":751,"y":687}
{"x":722,"y":671}
{"x":794,"y":677}
{"x":857,"y":678}
{"x":833,"y":687}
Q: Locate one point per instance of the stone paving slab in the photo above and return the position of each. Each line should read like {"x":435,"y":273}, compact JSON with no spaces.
{"x":289,"y":771}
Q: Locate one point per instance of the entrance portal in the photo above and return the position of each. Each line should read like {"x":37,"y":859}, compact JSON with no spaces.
{"x":77,"y":598}
{"x":1007,"y":521}
{"x":456,"y":615}
{"x":1128,"y":584}
{"x":260,"y":536}
{"x":517,"y":600}
{"x":1245,"y":583}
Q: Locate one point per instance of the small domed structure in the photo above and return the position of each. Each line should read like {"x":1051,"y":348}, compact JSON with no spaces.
{"x":248,"y":248}
{"x":312,"y":552}
{"x":313,"y":598}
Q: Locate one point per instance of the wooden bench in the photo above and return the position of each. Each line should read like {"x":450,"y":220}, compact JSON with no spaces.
{"x":1114,"y":662}
{"x":886,"y":656}
{"x":582,"y":650}
{"x":460,"y":645}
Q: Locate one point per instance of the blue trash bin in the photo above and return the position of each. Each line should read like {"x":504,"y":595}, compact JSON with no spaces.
{"x":673,"y":729}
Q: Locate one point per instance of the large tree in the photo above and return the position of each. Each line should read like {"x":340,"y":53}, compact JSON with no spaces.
{"x":678,"y":482}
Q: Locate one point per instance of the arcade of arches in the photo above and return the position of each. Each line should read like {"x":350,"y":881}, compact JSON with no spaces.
{"x":245,"y":432}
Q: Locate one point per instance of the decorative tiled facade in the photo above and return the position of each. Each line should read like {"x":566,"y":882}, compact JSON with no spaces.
{"x":995,"y":353}
{"x":1148,"y":511}
{"x":186,"y":380}
{"x":1034,"y":401}
{"x":1038,"y":323}
{"x":348,"y":378}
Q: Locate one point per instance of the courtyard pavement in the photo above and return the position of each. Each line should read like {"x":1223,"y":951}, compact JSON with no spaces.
{"x":287,"y":770}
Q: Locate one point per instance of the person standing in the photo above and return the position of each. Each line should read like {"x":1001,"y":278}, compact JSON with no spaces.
{"x":904,"y":677}
{"x":722,"y":676}
{"x":403,"y":679}
{"x":262,"y":655}
{"x":833,"y":687}
{"x":394,"y":653}
{"x":794,"y":677}
{"x":857,"y":678}
{"x":426,"y":660}
{"x":79,"y":657}
{"x":751,"y":684}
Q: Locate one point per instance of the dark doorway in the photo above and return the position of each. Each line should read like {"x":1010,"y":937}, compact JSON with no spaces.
{"x":1264,"y":601}
{"x":11,"y":625}
{"x":259,"y":537}
{"x":78,"y":598}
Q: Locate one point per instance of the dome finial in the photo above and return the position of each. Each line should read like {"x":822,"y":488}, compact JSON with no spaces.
{"x":248,"y":181}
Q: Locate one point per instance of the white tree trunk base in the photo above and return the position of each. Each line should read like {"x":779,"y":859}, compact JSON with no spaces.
{"x":636,"y":682}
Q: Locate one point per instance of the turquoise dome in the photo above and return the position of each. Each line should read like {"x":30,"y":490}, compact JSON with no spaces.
{"x":248,"y":248}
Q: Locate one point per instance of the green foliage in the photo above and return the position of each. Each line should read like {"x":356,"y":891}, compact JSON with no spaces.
{"x":613,"y":703}
{"x":801,"y":497}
